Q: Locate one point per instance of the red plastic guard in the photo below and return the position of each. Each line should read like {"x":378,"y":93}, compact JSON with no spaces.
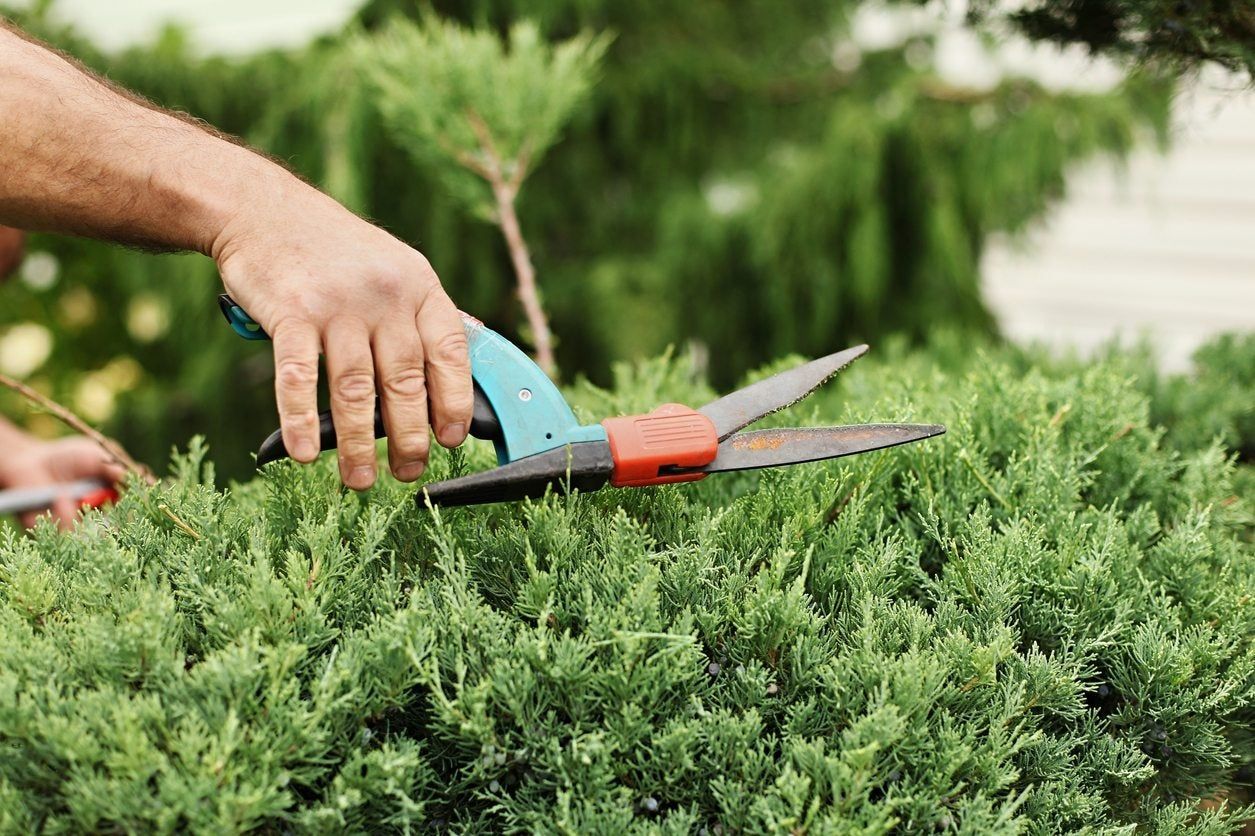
{"x":672,"y":435}
{"x":98,"y":499}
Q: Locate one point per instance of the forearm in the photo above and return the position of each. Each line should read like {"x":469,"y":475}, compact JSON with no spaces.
{"x":78,"y":157}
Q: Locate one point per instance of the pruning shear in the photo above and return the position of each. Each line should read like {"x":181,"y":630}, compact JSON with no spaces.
{"x":541,"y":445}
{"x":88,"y":493}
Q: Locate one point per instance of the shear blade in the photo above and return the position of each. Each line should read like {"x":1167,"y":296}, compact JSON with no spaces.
{"x":585,"y":465}
{"x":775,"y":448}
{"x":745,"y":406}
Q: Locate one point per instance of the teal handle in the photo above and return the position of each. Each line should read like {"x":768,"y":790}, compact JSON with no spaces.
{"x":533,"y":415}
{"x":239,"y":320}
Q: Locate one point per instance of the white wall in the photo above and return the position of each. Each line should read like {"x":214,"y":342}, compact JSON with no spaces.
{"x":1165,"y":248}
{"x":227,"y":26}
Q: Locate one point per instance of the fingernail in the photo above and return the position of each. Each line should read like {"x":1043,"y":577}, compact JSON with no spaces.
{"x":362,"y":477}
{"x":305,"y":450}
{"x":410,"y":472}
{"x":453,"y":434}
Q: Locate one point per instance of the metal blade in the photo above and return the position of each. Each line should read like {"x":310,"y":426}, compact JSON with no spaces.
{"x":585,"y":466}
{"x":745,"y":406}
{"x":773,"y":448}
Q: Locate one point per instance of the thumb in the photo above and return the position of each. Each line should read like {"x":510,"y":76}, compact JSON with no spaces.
{"x":81,"y":458}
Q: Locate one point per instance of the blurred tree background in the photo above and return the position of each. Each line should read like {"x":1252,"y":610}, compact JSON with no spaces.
{"x":744,"y":180}
{"x":1176,"y":33}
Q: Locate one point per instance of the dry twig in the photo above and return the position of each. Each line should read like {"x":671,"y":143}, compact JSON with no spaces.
{"x":112,"y":449}
{"x":179,"y":522}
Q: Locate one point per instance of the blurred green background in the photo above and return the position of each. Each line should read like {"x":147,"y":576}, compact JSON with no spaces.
{"x":745,"y":181}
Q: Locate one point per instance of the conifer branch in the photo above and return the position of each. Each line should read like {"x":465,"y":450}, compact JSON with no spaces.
{"x":495,"y":167}
{"x":504,"y":191}
{"x":443,"y":87}
{"x":522,"y":165}
{"x":985,"y":483}
{"x":116,"y":453}
{"x":928,"y":626}
{"x":465,"y":159}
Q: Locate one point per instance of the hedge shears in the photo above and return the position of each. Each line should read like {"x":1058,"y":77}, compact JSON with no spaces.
{"x":541,"y":445}
{"x":87,"y":493}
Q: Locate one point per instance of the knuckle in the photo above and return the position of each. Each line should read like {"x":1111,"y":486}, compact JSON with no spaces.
{"x":293,"y":318}
{"x":450,"y":348}
{"x":427,"y":285}
{"x":296,"y":373}
{"x":390,"y":285}
{"x":422,"y":268}
{"x":354,"y":386}
{"x":356,"y":457}
{"x":405,"y":383}
{"x":356,"y":446}
{"x":461,"y":401}
{"x":423,"y":262}
{"x":409,"y":446}
{"x":301,"y":421}
{"x":455,"y":408}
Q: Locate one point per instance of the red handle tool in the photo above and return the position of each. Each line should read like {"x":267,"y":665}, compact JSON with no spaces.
{"x":89,"y":493}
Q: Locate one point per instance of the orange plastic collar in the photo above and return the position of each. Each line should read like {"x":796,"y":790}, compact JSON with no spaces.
{"x":671,"y":436}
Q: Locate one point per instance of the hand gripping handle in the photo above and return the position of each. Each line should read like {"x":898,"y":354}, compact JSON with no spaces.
{"x":484,"y":425}
{"x":516,"y":407}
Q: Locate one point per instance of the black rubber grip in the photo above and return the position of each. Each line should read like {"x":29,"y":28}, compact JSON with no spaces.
{"x":484,"y":425}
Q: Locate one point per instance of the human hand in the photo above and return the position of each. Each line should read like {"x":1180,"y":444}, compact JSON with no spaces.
{"x":315,"y":276}
{"x":31,"y":463}
{"x":10,"y":251}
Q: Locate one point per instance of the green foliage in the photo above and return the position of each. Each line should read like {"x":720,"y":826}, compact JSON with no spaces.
{"x":1220,"y":401}
{"x":1179,"y":32}
{"x":445,"y":92}
{"x":895,"y":202}
{"x":726,"y":185}
{"x":1040,"y":622}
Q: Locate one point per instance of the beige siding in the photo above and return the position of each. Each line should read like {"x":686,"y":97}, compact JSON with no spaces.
{"x":225,"y":26}
{"x":1165,"y":247}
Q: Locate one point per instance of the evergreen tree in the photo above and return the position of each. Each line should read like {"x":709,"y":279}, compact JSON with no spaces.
{"x":1181,"y":33}
{"x":467,"y":104}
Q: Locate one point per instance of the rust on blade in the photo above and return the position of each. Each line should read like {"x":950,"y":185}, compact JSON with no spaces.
{"x":774,"y":439}
{"x":765,"y":441}
{"x":772,"y":448}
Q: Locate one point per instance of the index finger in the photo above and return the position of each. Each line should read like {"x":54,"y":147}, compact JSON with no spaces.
{"x":296,"y":387}
{"x":448,"y":362}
